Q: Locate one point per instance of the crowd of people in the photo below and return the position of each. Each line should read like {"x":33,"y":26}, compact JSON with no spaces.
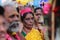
{"x":22,"y":23}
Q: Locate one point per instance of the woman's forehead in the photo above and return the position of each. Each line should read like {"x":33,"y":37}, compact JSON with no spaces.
{"x":29,"y":15}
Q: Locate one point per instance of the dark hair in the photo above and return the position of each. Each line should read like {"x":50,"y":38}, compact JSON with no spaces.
{"x":24,"y":15}
{"x":1,"y":10}
{"x":17,"y":9}
{"x":37,"y":9}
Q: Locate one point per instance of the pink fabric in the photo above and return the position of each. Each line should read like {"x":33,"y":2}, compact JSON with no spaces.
{"x":9,"y":38}
{"x":18,"y":38}
{"x":25,"y":10}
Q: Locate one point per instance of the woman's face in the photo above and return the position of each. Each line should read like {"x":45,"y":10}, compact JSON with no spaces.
{"x":29,"y":20}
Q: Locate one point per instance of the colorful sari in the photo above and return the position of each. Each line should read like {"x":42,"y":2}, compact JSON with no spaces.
{"x":34,"y":34}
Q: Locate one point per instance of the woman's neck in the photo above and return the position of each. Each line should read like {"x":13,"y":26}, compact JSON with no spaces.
{"x":26,"y":30}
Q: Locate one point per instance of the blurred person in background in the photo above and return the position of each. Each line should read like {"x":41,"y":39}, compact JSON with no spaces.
{"x":20,"y":7}
{"x":29,"y":30}
{"x":3,"y":25}
{"x":40,"y":21}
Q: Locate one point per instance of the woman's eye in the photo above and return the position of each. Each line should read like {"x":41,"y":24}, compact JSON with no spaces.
{"x":27,"y":18}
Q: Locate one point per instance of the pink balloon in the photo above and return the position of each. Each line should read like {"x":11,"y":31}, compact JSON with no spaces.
{"x":46,"y":8}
